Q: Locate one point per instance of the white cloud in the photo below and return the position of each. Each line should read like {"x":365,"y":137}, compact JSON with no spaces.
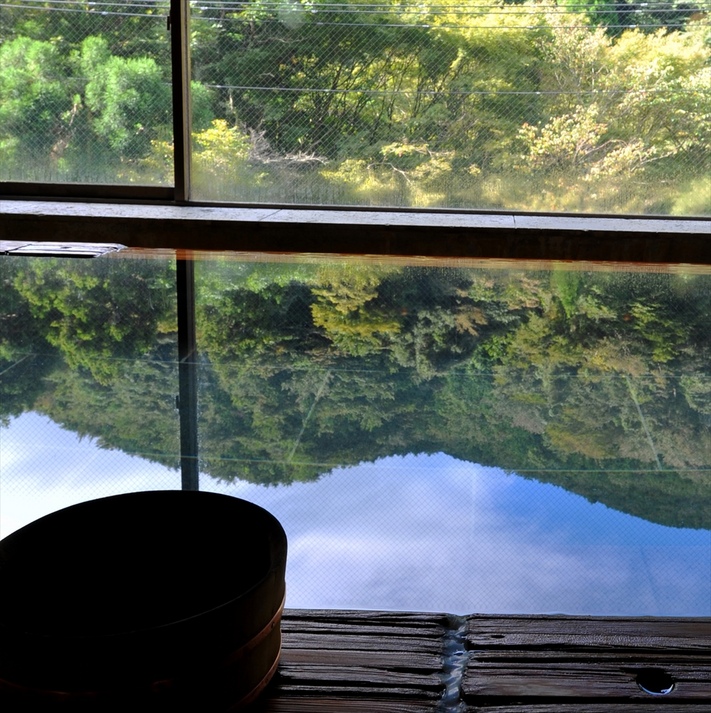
{"x":423,"y":532}
{"x":44,"y":468}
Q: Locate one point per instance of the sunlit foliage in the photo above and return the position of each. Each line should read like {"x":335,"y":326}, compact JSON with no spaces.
{"x":534,"y":105}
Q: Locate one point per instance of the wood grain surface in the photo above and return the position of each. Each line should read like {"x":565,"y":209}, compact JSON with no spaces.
{"x":543,"y":663}
{"x":396,"y":662}
{"x":369,"y":662}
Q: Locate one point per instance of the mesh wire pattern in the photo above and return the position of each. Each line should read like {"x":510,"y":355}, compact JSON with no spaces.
{"x":556,"y":106}
{"x":431,"y":437}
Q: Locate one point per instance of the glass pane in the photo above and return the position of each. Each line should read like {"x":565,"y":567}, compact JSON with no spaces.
{"x":88,"y":380}
{"x":545,"y":106}
{"x":466,"y":438}
{"x":85,"y":92}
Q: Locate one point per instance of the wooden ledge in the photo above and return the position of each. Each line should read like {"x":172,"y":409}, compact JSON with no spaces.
{"x":391,"y":662}
{"x":361,"y":232}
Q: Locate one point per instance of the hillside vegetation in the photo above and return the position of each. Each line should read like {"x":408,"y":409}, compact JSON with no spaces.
{"x":536,"y":105}
{"x":598,"y":382}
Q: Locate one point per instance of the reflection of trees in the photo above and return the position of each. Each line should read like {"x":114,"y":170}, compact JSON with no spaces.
{"x":280,"y":422}
{"x":134,"y":413}
{"x":551,"y":374}
{"x":98,"y":312}
{"x":22,"y":383}
{"x":596,"y":382}
{"x":24,"y":357}
{"x":93,"y":349}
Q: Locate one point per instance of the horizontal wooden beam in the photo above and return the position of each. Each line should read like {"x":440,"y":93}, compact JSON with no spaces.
{"x":360,"y":662}
{"x":557,"y":661}
{"x":506,"y":236}
{"x":398,"y":662}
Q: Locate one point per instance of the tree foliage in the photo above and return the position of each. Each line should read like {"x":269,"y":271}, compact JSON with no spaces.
{"x":96,"y":316}
{"x":574,"y":106}
{"x":597,"y":381}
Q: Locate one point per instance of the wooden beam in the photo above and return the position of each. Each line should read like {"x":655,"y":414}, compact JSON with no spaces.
{"x":551,"y":661}
{"x":359,"y":662}
{"x":362,"y":232}
{"x":396,"y":662}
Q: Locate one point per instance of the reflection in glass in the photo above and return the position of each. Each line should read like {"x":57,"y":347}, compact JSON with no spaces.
{"x":572,"y":408}
{"x":91,"y":346}
{"x":580,"y":379}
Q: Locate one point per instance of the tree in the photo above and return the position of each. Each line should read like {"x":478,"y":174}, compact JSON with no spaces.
{"x":549,"y":105}
{"x":129,"y":102}
{"x":135,"y":412}
{"x":25,"y":357}
{"x":36,"y":105}
{"x":347,"y":309}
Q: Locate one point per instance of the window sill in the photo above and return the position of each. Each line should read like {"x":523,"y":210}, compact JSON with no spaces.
{"x":363,"y":232}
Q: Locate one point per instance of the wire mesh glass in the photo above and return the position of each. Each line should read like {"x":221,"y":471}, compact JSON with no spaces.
{"x":547,"y":106}
{"x":433,"y":436}
{"x":466,"y":439}
{"x":85,"y":94}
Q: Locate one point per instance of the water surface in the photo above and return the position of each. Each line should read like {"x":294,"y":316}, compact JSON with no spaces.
{"x":432,"y":437}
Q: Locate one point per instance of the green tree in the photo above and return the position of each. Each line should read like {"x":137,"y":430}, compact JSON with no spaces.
{"x":25,"y":357}
{"x":36,"y":106}
{"x":346,"y":308}
{"x":128,"y":99}
{"x":135,"y":412}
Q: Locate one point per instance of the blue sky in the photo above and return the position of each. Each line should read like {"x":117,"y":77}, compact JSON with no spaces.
{"x":421,"y":533}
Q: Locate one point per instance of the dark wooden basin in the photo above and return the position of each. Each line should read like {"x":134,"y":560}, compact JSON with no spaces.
{"x":153,"y":600}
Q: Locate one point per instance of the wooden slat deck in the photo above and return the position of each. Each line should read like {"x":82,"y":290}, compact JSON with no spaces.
{"x":560,"y":663}
{"x":393,"y":662}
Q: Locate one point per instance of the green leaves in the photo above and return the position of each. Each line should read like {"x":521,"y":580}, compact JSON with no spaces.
{"x":128,"y":99}
{"x":94,"y":316}
{"x":33,"y":97}
{"x":534,"y":105}
{"x":561,"y":375}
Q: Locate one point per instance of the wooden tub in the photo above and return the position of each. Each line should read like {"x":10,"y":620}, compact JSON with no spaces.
{"x":162,"y":600}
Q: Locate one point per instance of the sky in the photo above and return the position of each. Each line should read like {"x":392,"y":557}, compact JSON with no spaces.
{"x":415,"y":533}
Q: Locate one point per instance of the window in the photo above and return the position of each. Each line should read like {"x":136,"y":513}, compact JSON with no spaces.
{"x":554,"y":106}
{"x":85,"y":91}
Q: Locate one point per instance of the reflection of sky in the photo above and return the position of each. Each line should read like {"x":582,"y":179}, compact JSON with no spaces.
{"x":410,"y":533}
